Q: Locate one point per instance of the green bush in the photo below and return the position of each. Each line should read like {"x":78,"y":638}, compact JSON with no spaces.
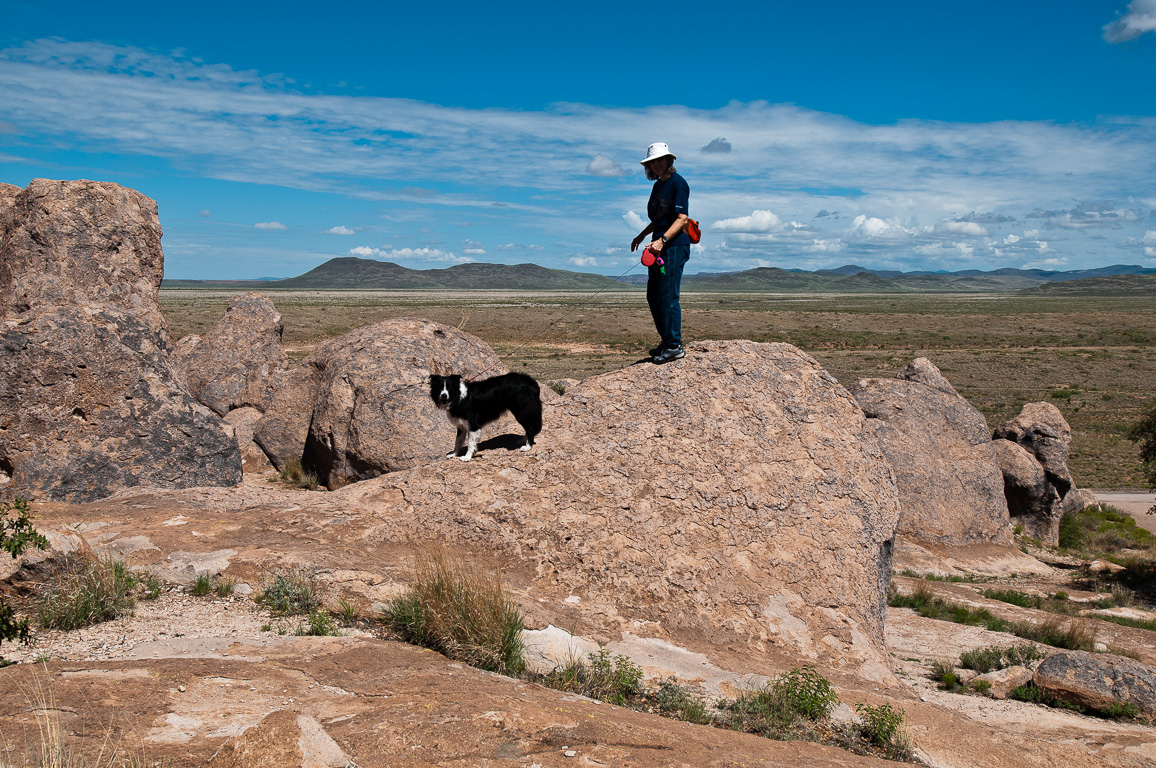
{"x":319,"y":624}
{"x":615,"y":679}
{"x":461,"y":611}
{"x":295,"y":592}
{"x":86,"y":590}
{"x":982,"y":659}
{"x":202,"y":585}
{"x":880,"y":724}
{"x":805,"y":691}
{"x":16,"y":535}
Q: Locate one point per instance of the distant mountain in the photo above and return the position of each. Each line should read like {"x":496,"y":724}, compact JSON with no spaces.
{"x":349,"y":273}
{"x":1111,"y":285}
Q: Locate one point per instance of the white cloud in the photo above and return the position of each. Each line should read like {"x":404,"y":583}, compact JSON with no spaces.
{"x":1011,"y":239}
{"x":759,"y":222}
{"x":474,"y":251}
{"x":959,"y":250}
{"x":205,"y":214}
{"x":583,"y":261}
{"x":270,"y":225}
{"x":1149,"y":250}
{"x":633,"y":221}
{"x":963,"y":228}
{"x":1056,"y":263}
{"x":1150,"y":236}
{"x":604,"y":165}
{"x":339,"y":230}
{"x":825,"y":246}
{"x":1139,"y":18}
{"x":873,"y":227}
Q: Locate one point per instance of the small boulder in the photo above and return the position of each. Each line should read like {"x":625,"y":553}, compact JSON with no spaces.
{"x":1098,"y":681}
{"x":1077,"y":500}
{"x":950,"y":488}
{"x":1002,"y":681}
{"x":243,"y":421}
{"x":240,"y":362}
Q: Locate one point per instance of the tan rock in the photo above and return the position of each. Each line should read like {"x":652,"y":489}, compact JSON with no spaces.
{"x":1002,"y":681}
{"x":1032,"y":501}
{"x":950,"y":489}
{"x":240,"y":362}
{"x":1043,"y":431}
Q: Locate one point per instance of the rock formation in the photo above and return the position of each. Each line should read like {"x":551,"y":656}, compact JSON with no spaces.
{"x":240,"y":362}
{"x":359,"y":405}
{"x":1098,"y":681}
{"x":950,"y":489}
{"x":89,"y":403}
{"x":1032,"y":452}
{"x":733,"y":496}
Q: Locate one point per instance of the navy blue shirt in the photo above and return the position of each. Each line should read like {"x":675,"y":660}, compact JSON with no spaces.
{"x":667,"y":200}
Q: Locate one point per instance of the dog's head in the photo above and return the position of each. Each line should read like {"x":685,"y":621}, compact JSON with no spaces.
{"x":445,"y":390}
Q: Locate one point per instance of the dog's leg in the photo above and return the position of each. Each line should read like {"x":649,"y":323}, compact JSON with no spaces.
{"x":473,"y":445}
{"x":459,"y":443}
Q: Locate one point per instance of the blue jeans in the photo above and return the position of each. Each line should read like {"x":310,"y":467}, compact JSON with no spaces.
{"x":662,"y":294}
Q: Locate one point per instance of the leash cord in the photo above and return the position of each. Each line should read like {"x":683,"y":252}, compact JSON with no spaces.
{"x":559,"y":320}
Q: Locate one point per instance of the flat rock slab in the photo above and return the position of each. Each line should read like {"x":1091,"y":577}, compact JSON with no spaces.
{"x":329,"y":701}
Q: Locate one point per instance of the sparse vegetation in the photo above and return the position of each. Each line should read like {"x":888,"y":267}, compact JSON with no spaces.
{"x":225,"y":585}
{"x":600,"y":676}
{"x":151,"y":586}
{"x":674,"y":700}
{"x":348,"y":611}
{"x":882,"y":725}
{"x":16,"y":535}
{"x":460,"y":610}
{"x":202,"y":585}
{"x":86,"y":590}
{"x":319,"y":624}
{"x":293,"y":474}
{"x":295,"y":592}
{"x":1143,"y":433}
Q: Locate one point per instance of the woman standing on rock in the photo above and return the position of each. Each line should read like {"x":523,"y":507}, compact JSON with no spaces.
{"x":667,"y":211}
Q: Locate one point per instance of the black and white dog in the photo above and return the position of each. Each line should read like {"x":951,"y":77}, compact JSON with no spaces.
{"x":470,"y":406}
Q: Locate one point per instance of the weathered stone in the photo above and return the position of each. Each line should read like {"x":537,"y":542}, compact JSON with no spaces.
{"x":1032,"y":501}
{"x":89,"y":405}
{"x":81,"y":242}
{"x":1098,"y":681}
{"x":1077,"y":500}
{"x":240,"y":362}
{"x":1043,"y":431}
{"x":950,"y":489}
{"x":243,"y":421}
{"x":359,"y":405}
{"x":747,"y":466}
{"x":1002,"y":681}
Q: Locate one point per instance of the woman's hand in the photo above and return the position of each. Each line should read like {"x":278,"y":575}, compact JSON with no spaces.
{"x":656,"y":246}
{"x":635,"y":242}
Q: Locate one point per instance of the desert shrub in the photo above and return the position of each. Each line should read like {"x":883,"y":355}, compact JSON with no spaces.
{"x":615,"y":679}
{"x":151,"y":586}
{"x":202,"y":585}
{"x":292,"y":473}
{"x":805,"y":691}
{"x":16,"y":535}
{"x":1120,"y":710}
{"x":673,"y":699}
{"x":786,"y":707}
{"x":294,"y":592}
{"x":882,"y":726}
{"x":981,"y":686}
{"x":319,"y":624}
{"x":224,"y":585}
{"x":924,"y":602}
{"x":348,"y":611}
{"x":1075,"y":635}
{"x":462,"y":611}
{"x":86,"y":590}
{"x":1022,"y":655}
{"x":1102,"y":529}
{"x":982,"y":659}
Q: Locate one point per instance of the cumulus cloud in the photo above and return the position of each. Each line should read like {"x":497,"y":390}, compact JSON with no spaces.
{"x":962,"y":228}
{"x":1138,"y":19}
{"x":871,"y":227}
{"x":474,"y":251}
{"x":1087,"y":215}
{"x":583,"y":261}
{"x":205,"y":214}
{"x":339,"y":230}
{"x":633,"y":221}
{"x":825,"y":246}
{"x":986,"y":218}
{"x":270,"y":225}
{"x":759,"y":222}
{"x":719,"y":146}
{"x":604,"y":165}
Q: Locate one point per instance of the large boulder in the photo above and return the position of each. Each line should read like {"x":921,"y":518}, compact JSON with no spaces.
{"x":89,"y":401}
{"x":68,"y":243}
{"x":951,"y":491}
{"x":89,"y":405}
{"x":240,"y":362}
{"x":736,"y":496}
{"x":1032,"y":501}
{"x":359,"y":405}
{"x":1098,"y":681}
{"x":1041,"y":429}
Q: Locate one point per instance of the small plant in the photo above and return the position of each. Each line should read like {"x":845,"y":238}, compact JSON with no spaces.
{"x":1120,"y":710}
{"x":225,"y":585}
{"x":881,"y":725}
{"x":16,"y":535}
{"x":805,"y":691}
{"x":348,"y":611}
{"x":1143,"y":433}
{"x":981,"y":686}
{"x":296,"y":592}
{"x":982,"y":659}
{"x":462,"y":611}
{"x":86,"y":590}
{"x":1075,"y":635}
{"x":202,"y":585}
{"x":319,"y":624}
{"x":601,"y":676}
{"x":558,"y":387}
{"x":151,"y":586}
{"x":292,"y":473}
{"x":266,"y":627}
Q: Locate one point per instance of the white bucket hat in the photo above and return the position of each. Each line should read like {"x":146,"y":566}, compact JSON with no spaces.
{"x":655,"y":151}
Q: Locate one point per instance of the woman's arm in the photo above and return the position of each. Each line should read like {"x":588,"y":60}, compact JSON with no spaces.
{"x":641,"y":235}
{"x":675,"y":228}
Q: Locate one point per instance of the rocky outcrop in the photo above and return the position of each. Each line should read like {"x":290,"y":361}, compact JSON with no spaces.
{"x":88,"y":406}
{"x":1032,"y":452}
{"x":89,"y":402}
{"x":70,"y":243}
{"x":734,"y":496}
{"x":359,"y":405}
{"x":240,"y":362}
{"x":1000,"y":682}
{"x":1098,"y":681}
{"x":950,"y":489}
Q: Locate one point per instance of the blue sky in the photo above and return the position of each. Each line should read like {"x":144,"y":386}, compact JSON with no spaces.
{"x":901,"y":135}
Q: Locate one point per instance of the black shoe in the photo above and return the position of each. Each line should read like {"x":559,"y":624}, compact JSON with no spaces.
{"x":655,"y":351}
{"x":667,"y":355}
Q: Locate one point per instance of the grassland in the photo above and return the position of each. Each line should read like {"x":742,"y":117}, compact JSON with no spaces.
{"x":1094,"y":357}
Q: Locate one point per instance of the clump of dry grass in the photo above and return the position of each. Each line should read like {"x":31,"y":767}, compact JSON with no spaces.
{"x":86,"y":590}
{"x":292,"y":473}
{"x":460,"y":609}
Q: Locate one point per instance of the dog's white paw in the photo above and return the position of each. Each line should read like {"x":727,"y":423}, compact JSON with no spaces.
{"x":467,"y":457}
{"x":524,"y":448}
{"x":451,"y":454}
